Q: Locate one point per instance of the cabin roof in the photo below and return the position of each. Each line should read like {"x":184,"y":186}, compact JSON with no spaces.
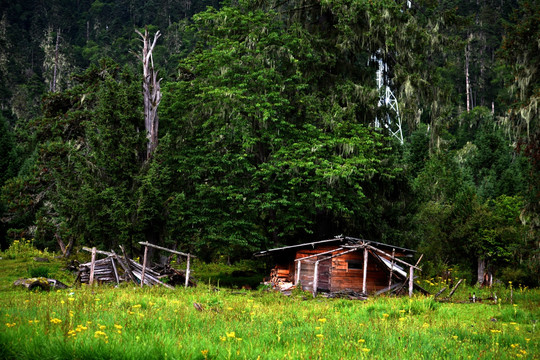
{"x":341,"y":240}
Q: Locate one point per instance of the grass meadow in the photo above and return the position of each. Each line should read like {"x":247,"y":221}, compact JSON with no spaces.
{"x":128,"y":322}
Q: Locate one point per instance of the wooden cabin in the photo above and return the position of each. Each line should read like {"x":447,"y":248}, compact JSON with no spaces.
{"x":343,"y":264}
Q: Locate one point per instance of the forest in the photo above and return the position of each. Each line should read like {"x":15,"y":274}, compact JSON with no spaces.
{"x":267,"y":127}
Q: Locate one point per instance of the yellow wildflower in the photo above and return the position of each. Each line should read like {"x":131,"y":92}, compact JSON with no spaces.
{"x":118,"y":326}
{"x":366,"y":350}
{"x":323,"y":320}
{"x":361,"y":341}
{"x":231,"y":334}
{"x":136,"y":306}
{"x":56,"y":321}
{"x":320,"y":336}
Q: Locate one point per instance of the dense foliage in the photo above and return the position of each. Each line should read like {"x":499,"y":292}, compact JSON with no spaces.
{"x":268,"y":133}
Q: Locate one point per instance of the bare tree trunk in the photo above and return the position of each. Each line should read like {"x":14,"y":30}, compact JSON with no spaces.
{"x":481,"y":270}
{"x":66,"y":249}
{"x":151,"y":91}
{"x":53,"y":84}
{"x":467,"y":79}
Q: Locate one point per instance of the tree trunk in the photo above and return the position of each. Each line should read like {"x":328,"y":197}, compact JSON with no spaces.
{"x":481,"y":270}
{"x":66,"y":249}
{"x":55,"y":69}
{"x":151,"y":91}
{"x":467,"y":79}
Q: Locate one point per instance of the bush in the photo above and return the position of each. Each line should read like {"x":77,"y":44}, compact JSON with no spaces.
{"x":23,"y":248}
{"x":39,"y":271}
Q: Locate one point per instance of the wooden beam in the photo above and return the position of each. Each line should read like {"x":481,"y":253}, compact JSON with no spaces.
{"x":390,"y":288}
{"x":411,"y":281}
{"x":92,"y":266}
{"x":165,"y":249}
{"x":144,"y":265}
{"x":187,"y":271}
{"x":99,"y":251}
{"x":315,"y":278}
{"x":455,"y":288}
{"x":127,"y":268}
{"x":439,"y":292}
{"x":298,"y":267}
{"x":364,"y":275}
{"x":114,"y":269}
{"x":336,"y":255}
{"x":318,"y":254}
{"x":396,"y":259}
{"x":391,"y":267}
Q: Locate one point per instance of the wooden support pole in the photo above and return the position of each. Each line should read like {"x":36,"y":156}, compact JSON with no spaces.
{"x":315,"y":278}
{"x":298,"y":267}
{"x":364,"y":279}
{"x":455,"y":288}
{"x":411,"y":280}
{"x":391,"y":267}
{"x":165,"y":249}
{"x":144,"y":265}
{"x":127,"y":268}
{"x":114,"y":269}
{"x":439,"y":292}
{"x":92,"y":266}
{"x":187,"y":270}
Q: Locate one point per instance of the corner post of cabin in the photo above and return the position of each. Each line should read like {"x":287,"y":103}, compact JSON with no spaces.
{"x":298,"y":267}
{"x":391,"y":267}
{"x":364,"y":279}
{"x":315,"y":278}
{"x":144,"y":265}
{"x":187,"y":270}
{"x":411,"y":280}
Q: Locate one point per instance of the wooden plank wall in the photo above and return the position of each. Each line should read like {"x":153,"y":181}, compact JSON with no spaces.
{"x":336,"y":274}
{"x":345,"y":278}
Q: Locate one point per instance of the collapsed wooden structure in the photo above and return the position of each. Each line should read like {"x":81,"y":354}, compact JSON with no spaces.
{"x":106,"y":270}
{"x":344,"y":264}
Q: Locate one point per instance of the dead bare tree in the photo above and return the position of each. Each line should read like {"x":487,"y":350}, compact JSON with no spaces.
{"x":151,"y":91}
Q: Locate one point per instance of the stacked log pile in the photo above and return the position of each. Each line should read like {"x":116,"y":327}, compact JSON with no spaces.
{"x":104,"y":271}
{"x":107,"y":271}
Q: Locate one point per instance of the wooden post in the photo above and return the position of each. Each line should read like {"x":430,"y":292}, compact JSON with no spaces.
{"x":92,"y":266}
{"x":144,"y":265}
{"x":298,"y":267}
{"x":187,"y":270}
{"x":127,"y":267}
{"x":455,"y":288}
{"x":114,"y":269}
{"x":391,"y":267}
{"x":315,"y":278}
{"x":365,"y":271}
{"x":411,"y":280}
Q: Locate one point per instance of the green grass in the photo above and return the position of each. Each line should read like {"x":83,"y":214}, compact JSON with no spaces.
{"x":156,"y":323}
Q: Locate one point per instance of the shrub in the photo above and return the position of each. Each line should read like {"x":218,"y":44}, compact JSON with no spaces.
{"x":39,"y":271}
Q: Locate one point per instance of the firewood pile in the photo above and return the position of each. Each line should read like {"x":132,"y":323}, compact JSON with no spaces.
{"x":104,"y":271}
{"x":279,"y":276}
